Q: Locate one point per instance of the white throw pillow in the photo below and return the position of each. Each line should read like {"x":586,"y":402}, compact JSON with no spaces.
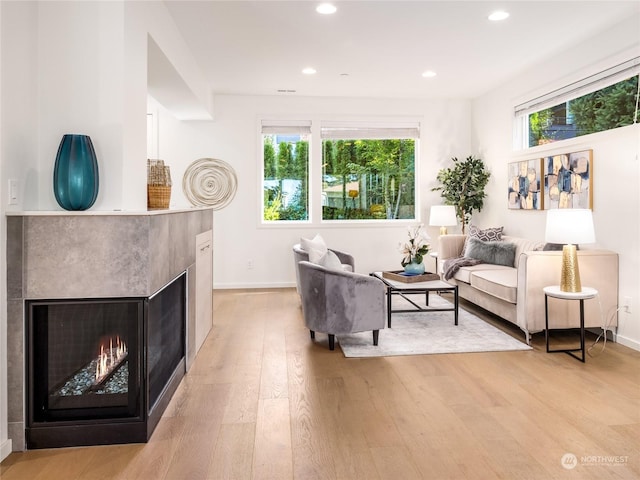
{"x":330,"y":261}
{"x":315,"y":247}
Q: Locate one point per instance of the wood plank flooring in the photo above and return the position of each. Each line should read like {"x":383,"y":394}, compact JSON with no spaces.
{"x":262,"y":401}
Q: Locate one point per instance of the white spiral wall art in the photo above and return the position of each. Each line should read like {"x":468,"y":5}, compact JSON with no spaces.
{"x":210,"y":182}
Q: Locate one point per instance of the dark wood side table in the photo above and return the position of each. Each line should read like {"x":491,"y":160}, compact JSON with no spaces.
{"x":555,"y":292}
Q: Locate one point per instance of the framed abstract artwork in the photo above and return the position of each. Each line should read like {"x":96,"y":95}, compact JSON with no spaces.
{"x":525,"y":185}
{"x":568,"y":180}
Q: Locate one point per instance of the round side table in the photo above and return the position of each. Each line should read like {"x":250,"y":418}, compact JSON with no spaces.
{"x":555,"y":292}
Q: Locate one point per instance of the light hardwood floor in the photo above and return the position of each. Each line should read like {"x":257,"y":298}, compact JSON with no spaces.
{"x":263,"y":402}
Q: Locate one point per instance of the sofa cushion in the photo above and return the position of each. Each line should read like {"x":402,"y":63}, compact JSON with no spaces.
{"x":464,"y":273}
{"x":500,"y":282}
{"x":331,"y":261}
{"x":498,"y":253}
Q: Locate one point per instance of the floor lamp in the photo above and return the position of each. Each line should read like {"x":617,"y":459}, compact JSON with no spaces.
{"x":570,"y":226}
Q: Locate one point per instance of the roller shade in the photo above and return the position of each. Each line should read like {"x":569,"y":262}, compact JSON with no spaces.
{"x":353,"y":131}
{"x":582,"y":87}
{"x":301,"y":127}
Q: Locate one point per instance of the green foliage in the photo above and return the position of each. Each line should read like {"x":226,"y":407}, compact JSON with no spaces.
{"x":539,"y":124}
{"x":463,"y":186}
{"x":269,"y":159}
{"x":272,"y":209}
{"x":285,"y":160}
{"x":606,"y":109}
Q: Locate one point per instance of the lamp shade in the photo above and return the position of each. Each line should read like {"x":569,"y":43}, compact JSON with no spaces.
{"x":443,"y":216}
{"x":570,"y":226}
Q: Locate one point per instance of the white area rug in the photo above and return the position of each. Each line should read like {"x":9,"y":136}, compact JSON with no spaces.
{"x":424,"y":333}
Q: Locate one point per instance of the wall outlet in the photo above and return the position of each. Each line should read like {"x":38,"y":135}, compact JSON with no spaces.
{"x":249,"y":264}
{"x":626,"y":304}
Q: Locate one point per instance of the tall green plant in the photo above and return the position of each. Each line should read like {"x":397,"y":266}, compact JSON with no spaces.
{"x":463,"y":186}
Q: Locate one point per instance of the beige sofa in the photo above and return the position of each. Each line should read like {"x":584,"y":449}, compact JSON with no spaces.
{"x":515,"y":293}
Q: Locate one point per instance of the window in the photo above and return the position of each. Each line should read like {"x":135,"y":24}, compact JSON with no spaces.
{"x":602,"y":102}
{"x":285,"y":189}
{"x":368,"y":173}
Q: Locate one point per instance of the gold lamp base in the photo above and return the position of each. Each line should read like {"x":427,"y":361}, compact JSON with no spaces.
{"x":443,"y":230}
{"x":570,"y":275}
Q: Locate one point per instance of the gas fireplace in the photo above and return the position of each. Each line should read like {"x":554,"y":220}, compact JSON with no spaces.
{"x":102,"y":371}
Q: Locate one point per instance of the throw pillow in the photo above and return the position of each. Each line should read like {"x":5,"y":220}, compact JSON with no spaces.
{"x":497,"y":253}
{"x":487,"y":235}
{"x":330,"y":261}
{"x":315,"y":247}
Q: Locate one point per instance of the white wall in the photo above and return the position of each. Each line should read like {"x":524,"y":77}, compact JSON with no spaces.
{"x":616,"y":169}
{"x":233,"y":137}
{"x":81,"y":67}
{"x":18,"y":148}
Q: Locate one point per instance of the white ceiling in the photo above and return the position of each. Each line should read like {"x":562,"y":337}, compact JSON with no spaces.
{"x":260,"y":47}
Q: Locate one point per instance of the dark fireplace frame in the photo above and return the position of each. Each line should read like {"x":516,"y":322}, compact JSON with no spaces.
{"x":136,"y":427}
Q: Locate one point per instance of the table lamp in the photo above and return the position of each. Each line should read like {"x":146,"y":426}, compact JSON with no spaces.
{"x":570,"y":226}
{"x":443,"y":216}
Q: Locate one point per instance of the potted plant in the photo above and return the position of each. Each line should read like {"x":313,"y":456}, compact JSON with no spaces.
{"x":463,"y":186}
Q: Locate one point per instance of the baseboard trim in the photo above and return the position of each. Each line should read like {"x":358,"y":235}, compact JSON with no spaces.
{"x":5,"y":449}
{"x":628,"y":342}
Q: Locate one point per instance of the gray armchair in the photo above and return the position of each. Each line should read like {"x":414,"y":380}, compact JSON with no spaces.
{"x":337,"y":302}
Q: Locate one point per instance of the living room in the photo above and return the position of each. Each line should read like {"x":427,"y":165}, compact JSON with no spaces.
{"x":46,"y":94}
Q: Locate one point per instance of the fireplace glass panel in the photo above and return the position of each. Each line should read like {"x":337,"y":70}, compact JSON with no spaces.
{"x":166,"y":334}
{"x":85,"y":360}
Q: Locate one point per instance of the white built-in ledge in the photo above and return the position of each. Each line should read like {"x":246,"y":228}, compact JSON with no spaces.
{"x":65,"y":213}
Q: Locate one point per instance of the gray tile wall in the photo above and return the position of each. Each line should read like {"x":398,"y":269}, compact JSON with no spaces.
{"x":85,"y":256}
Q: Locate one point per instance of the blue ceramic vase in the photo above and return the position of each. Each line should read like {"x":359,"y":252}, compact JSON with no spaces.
{"x":75,"y":174}
{"x":414,"y":268}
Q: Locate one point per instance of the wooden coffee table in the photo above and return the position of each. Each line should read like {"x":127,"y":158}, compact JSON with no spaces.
{"x":404,"y":289}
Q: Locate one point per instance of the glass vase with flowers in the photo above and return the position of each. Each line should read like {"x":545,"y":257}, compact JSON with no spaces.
{"x":414,"y":250}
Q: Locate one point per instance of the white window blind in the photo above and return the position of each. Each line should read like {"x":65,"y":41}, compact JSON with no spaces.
{"x":302,"y":127}
{"x":358,"y":131}
{"x":582,"y":87}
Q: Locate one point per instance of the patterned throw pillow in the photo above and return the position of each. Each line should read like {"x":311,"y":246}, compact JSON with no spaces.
{"x":487,"y":235}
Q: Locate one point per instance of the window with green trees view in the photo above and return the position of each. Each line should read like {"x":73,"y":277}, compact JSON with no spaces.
{"x":286,"y":176}
{"x":368,"y":172}
{"x":368,"y":179}
{"x":605,"y":109}
{"x":604,"y":101}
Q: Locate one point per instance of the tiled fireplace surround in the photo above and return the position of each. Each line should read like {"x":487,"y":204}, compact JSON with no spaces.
{"x":91,"y":255}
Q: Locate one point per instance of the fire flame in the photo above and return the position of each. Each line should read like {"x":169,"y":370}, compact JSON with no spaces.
{"x":110,"y":358}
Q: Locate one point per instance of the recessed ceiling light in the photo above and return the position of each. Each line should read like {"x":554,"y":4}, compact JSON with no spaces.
{"x":429,"y":74}
{"x":309,"y":71}
{"x":498,"y":15}
{"x":326,"y":8}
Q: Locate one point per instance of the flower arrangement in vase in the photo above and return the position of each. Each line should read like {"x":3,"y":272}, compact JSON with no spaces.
{"x":414,"y":250}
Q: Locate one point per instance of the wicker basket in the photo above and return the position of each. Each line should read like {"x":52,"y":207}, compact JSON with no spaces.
{"x":158,"y":184}
{"x":158,"y":196}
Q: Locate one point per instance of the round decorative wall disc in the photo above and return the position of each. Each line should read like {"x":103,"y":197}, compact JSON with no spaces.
{"x":210,"y":182}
